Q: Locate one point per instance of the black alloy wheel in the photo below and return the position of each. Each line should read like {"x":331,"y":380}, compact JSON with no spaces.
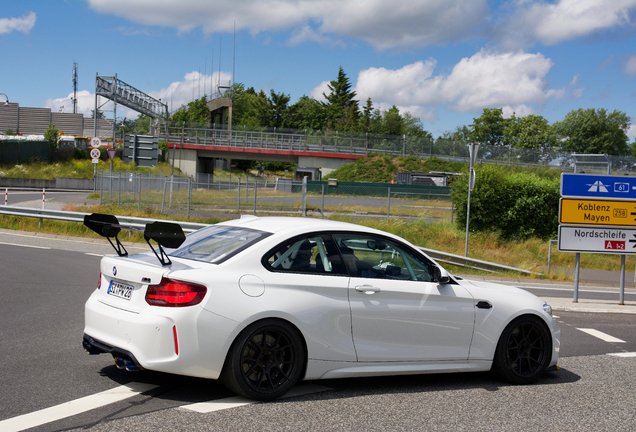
{"x":265,"y":361}
{"x":524,"y":350}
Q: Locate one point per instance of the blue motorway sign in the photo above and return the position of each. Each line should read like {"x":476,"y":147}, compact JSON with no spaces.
{"x":598,"y":186}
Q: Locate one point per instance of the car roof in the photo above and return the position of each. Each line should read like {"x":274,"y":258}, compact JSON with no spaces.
{"x":278,"y":224}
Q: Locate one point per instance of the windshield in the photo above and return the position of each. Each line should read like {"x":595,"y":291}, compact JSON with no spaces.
{"x":217,"y":243}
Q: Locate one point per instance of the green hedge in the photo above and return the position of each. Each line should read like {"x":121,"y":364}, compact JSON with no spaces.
{"x":519,"y":205}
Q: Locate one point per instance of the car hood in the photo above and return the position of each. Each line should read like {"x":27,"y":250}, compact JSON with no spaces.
{"x":470,"y":283}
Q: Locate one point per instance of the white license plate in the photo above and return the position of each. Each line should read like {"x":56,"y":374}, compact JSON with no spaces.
{"x":120,"y":290}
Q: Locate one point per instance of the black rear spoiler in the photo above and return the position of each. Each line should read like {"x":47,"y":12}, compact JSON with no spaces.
{"x":166,"y":234}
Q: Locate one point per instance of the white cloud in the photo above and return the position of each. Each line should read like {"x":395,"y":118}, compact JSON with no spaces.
{"x":564,"y":20}
{"x":575,"y":79}
{"x":515,"y":81}
{"x":193,"y":86}
{"x":323,"y":87}
{"x":491,"y":80}
{"x":24,"y":24}
{"x":383,"y":24}
{"x":577,"y":93}
{"x":521,"y":110}
{"x":630,"y":66}
{"x":85,"y":103}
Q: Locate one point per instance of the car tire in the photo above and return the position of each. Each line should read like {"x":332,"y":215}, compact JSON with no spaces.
{"x":524,"y":350}
{"x":265,"y":361}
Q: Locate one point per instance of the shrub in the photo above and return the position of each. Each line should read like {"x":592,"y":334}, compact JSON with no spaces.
{"x":520,"y":205}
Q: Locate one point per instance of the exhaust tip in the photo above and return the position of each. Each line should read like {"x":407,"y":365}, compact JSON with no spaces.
{"x":127,"y":364}
{"x":119,"y":362}
{"x":130,"y":366}
{"x":90,"y":349}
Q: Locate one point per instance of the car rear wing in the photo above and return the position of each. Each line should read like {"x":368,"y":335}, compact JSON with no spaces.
{"x":165,"y":234}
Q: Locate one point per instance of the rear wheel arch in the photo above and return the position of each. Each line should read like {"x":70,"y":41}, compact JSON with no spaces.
{"x":239,"y":382}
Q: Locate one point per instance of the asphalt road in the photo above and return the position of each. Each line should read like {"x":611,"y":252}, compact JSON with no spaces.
{"x":45,"y":283}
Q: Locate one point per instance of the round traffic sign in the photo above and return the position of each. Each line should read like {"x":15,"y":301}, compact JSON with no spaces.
{"x":96,"y":142}
{"x":95,"y":153}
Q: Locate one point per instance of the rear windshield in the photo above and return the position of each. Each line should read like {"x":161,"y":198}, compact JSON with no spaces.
{"x":217,"y":243}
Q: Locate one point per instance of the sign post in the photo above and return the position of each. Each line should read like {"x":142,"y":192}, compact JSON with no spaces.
{"x":597,"y":214}
{"x":95,"y":143}
{"x":473,"y":149}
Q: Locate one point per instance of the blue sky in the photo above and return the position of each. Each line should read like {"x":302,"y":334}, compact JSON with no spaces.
{"x":442,"y":60}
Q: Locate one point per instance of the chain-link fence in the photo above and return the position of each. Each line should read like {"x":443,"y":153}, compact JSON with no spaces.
{"x":207,"y":194}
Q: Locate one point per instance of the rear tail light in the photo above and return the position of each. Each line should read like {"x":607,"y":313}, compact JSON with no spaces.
{"x":99,"y":282}
{"x":174,"y":293}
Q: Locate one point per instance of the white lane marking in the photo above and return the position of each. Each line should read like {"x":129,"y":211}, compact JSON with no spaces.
{"x":603,"y":336}
{"x":237,"y":401}
{"x":73,"y":407}
{"x":623,"y":354}
{"x":23,"y":245}
{"x":72,"y":240}
{"x":93,"y":254}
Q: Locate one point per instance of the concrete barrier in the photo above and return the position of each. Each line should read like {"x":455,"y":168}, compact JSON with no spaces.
{"x":58,"y":183}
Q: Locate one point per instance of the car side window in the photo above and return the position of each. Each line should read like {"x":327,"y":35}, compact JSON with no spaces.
{"x":375,"y":257}
{"x":309,"y":254}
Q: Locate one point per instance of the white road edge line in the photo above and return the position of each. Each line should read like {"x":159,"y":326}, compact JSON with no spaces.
{"x":29,"y":246}
{"x":93,"y":254}
{"x":603,"y":336}
{"x":74,"y":407}
{"x":623,"y":354}
{"x":237,"y":401}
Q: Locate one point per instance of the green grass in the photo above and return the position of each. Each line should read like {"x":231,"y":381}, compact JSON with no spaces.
{"x":75,"y":168}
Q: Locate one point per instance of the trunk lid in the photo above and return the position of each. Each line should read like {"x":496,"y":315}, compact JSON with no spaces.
{"x":125,"y":280}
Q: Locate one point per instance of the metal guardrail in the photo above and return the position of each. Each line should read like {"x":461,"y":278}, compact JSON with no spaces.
{"x":128,"y":222}
{"x":461,"y":261}
{"x":136,"y":223}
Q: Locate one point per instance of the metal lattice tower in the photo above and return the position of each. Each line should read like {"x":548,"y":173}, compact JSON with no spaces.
{"x":118,"y":91}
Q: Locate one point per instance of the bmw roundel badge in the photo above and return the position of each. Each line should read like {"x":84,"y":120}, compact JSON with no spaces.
{"x":114,"y":271}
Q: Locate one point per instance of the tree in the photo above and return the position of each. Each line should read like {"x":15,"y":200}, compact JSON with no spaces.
{"x":488,"y":129}
{"x":308,"y":113}
{"x":196,"y":111}
{"x":100,"y":114}
{"x":279,"y":109}
{"x":393,"y":121}
{"x":594,"y":131}
{"x":413,"y":127}
{"x":530,"y":132}
{"x":52,"y":135}
{"x":140,"y":125}
{"x":367,"y":112}
{"x":342,"y":108}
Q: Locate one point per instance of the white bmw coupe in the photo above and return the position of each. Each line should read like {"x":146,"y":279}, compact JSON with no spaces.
{"x":263,"y":302}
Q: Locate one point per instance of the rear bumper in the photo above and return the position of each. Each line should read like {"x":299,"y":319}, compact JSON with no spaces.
{"x":184,"y":341}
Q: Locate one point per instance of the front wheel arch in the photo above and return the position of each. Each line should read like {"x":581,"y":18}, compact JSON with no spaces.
{"x":524,"y":350}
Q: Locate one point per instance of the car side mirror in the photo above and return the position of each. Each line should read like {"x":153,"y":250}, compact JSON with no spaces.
{"x":440,"y":275}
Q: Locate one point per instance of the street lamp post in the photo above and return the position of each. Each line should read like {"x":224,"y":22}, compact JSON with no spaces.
{"x":6,"y":102}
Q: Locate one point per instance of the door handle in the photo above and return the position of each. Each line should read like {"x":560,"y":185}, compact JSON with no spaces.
{"x":367,"y":289}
